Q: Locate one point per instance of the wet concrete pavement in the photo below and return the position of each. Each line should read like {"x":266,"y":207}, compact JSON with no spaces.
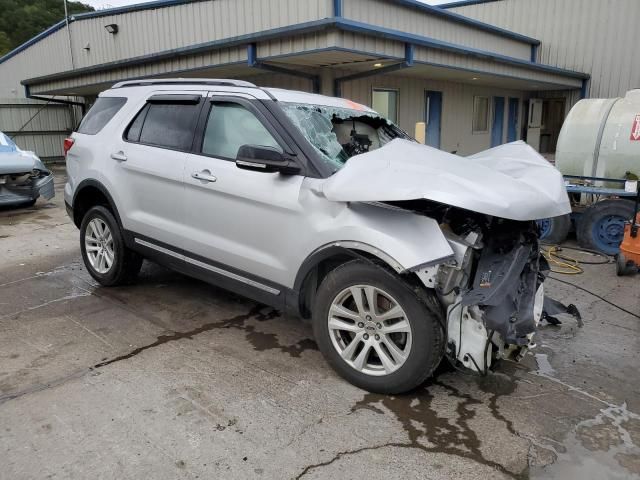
{"x":173,"y":378}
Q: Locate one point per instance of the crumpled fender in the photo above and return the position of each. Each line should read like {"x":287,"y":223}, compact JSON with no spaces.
{"x":402,"y":239}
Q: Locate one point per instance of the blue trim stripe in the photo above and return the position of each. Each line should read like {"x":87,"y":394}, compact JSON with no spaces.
{"x":456,"y":17}
{"x":308,"y":27}
{"x":464,"y":3}
{"x":373,"y":30}
{"x":131,"y":8}
{"x":52,"y":29}
{"x":337,"y":6}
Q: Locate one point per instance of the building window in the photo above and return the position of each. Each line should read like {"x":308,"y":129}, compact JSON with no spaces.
{"x":385,"y":102}
{"x":480,"y":114}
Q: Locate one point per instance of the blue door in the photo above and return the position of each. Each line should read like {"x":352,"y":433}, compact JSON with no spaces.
{"x":433,"y":114}
{"x":512,"y":126}
{"x":498,"y":121}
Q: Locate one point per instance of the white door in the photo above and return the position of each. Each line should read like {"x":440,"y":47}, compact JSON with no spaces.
{"x":534,"y":124}
{"x":148,"y":164}
{"x":239,"y":220}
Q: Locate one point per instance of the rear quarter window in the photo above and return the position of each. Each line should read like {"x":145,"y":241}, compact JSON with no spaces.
{"x":99,"y":115}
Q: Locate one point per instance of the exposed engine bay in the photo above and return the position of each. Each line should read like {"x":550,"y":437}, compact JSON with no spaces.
{"x":483,"y":208}
{"x":493,"y":287}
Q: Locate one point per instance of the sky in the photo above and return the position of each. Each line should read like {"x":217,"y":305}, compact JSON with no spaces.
{"x":100,"y":4}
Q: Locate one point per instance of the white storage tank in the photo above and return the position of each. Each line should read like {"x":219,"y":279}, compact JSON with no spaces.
{"x":601,"y":138}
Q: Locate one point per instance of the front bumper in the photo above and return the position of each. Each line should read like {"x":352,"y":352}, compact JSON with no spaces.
{"x":12,"y":194}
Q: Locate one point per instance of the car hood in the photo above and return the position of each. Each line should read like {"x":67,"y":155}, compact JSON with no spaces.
{"x":20,"y":162}
{"x":511,"y":181}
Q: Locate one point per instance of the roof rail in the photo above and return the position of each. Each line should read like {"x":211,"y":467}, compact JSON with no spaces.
{"x":185,"y":81}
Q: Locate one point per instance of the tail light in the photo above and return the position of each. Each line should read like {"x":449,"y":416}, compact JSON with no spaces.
{"x":68,"y":143}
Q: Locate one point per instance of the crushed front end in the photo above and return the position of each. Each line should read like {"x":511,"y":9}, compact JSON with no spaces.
{"x":25,"y":187}
{"x":492,"y":290}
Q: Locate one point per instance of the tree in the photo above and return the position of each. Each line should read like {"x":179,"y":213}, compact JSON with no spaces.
{"x":24,"y":19}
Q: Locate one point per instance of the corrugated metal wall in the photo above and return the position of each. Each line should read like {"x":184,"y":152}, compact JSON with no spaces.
{"x":37,"y":127}
{"x":594,"y":36}
{"x":150,"y":31}
{"x":408,"y":19}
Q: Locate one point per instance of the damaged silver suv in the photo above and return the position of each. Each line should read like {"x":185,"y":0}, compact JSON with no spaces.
{"x":399,"y":253}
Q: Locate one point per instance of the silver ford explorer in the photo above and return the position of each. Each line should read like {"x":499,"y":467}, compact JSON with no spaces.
{"x":400,"y":254}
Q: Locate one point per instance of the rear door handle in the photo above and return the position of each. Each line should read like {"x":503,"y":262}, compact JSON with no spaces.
{"x":120,"y":156}
{"x":204,"y":175}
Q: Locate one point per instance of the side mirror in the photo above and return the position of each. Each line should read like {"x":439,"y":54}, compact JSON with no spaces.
{"x":265,"y":159}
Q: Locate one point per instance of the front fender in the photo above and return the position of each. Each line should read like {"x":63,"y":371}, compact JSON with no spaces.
{"x":403,"y":240}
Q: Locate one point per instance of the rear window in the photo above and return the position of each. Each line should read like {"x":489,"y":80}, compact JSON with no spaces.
{"x":169,"y":125}
{"x":99,"y":115}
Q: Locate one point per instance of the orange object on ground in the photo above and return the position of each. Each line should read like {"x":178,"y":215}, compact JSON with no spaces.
{"x":629,"y":256}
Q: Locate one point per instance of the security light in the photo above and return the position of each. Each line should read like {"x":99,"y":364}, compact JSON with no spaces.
{"x":112,"y":28}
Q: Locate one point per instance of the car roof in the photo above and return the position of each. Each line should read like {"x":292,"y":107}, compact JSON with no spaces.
{"x":143,"y":87}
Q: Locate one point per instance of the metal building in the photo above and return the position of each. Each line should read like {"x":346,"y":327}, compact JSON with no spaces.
{"x":595,"y":36}
{"x":475,"y":84}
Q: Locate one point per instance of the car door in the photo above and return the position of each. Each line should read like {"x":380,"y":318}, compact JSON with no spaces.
{"x":239,"y":222}
{"x":149,"y":163}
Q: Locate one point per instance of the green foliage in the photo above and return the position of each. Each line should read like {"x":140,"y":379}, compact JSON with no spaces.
{"x":21,"y":20}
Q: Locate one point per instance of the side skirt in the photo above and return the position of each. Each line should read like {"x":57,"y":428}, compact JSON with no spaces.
{"x":220,"y":275}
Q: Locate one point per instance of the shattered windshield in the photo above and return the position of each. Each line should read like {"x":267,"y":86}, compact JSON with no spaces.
{"x":340,"y":133}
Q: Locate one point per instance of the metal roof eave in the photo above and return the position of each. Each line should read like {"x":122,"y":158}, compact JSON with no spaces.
{"x":309,"y":27}
{"x":439,"y":11}
{"x":463,"y":3}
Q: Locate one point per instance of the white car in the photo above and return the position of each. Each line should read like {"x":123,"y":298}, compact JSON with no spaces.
{"x":399,"y":253}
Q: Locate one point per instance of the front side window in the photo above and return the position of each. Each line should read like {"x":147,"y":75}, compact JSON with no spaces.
{"x":385,"y":102}
{"x":231,"y":126}
{"x":169,"y":125}
{"x":338,"y":134}
{"x":100,"y":113}
{"x":480,"y":114}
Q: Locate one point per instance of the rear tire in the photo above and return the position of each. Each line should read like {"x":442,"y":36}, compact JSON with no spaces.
{"x":104,"y":252}
{"x":601,"y":226}
{"x":392,"y":355}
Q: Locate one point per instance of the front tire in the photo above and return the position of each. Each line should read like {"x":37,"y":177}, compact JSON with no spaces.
{"x":374,"y":330}
{"x":104,"y":252}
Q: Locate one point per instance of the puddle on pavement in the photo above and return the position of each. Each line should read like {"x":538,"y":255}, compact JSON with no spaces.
{"x":259,"y":340}
{"x":606,"y":446}
{"x":430,"y":431}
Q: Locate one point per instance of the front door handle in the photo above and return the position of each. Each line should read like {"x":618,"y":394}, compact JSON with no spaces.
{"x":120,"y":156}
{"x":204,"y":175}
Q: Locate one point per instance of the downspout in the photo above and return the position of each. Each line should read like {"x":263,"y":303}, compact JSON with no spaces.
{"x":253,"y":62}
{"x":406,"y":63}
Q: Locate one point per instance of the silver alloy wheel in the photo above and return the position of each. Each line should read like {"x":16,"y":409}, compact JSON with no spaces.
{"x":369,"y":330}
{"x":98,"y":243}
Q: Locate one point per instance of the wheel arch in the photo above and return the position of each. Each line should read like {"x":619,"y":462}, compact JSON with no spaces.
{"x":88,"y":194}
{"x":324,"y":259}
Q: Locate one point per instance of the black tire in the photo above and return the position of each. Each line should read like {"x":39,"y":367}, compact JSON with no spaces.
{"x":592,"y":230}
{"x":126,"y":263}
{"x":558,"y":229}
{"x":427,"y":336}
